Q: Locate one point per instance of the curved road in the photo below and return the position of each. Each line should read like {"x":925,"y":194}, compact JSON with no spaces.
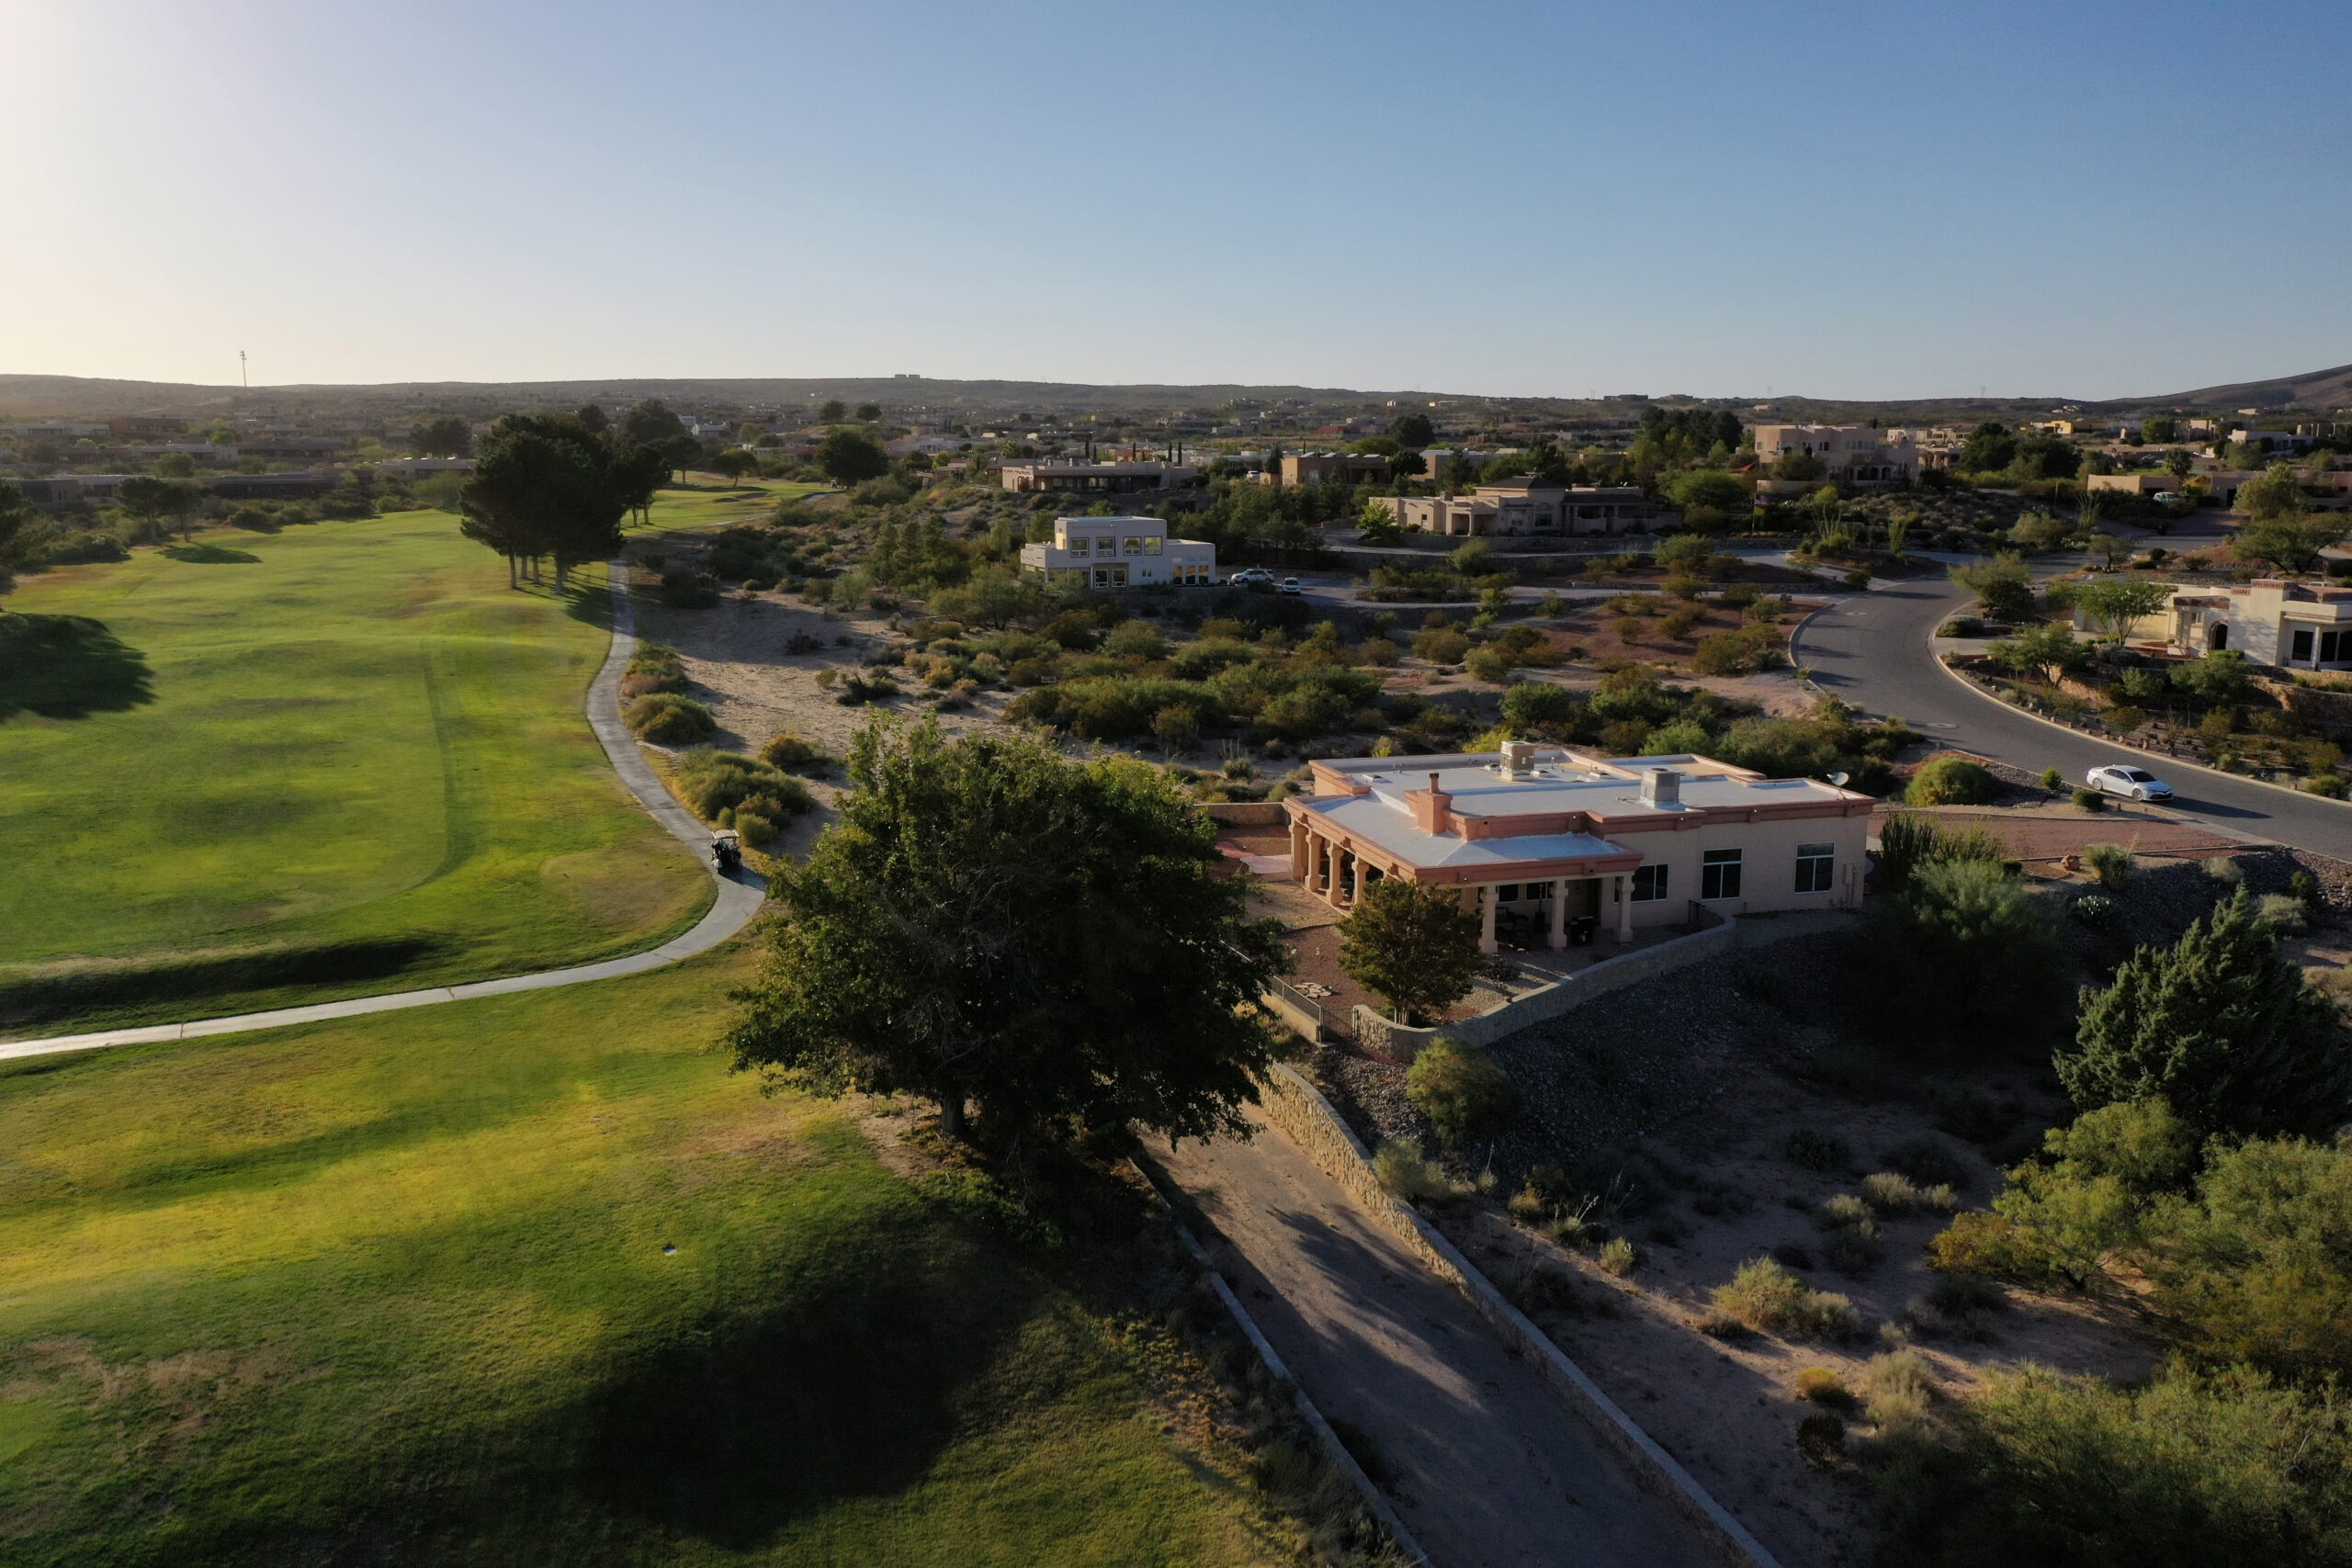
{"x":1872,"y":651}
{"x":737,"y":900}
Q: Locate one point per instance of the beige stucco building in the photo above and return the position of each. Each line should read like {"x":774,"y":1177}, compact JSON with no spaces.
{"x":2295,"y":626}
{"x":1524,"y":506}
{"x":1334,"y":468}
{"x":1856,"y":453}
{"x":1120,"y":552}
{"x":1025,"y":476}
{"x":1551,"y":845}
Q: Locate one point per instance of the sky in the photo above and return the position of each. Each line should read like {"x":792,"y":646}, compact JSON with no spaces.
{"x":1723,"y":199}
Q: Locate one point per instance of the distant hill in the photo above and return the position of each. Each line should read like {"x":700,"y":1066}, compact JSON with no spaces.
{"x":2316,"y":389}
{"x":67,"y":397}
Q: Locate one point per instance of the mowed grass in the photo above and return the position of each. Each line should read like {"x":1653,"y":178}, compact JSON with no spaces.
{"x":399,"y":1289}
{"x":709,"y":501}
{"x":360,"y":743}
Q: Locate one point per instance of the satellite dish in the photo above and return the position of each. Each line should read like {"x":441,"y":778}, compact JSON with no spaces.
{"x":1839,"y":779}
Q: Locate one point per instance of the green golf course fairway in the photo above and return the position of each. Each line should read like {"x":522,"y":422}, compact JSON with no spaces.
{"x":400,"y":1290}
{"x":361,"y":753}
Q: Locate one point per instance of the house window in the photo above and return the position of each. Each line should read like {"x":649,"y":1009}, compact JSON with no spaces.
{"x":1152,"y":543}
{"x":1507,"y":893}
{"x":2334,"y":646}
{"x":2301,"y":647}
{"x":1816,"y":863}
{"x":1134,"y":544}
{"x":1719,"y":874}
{"x":1649,"y":883}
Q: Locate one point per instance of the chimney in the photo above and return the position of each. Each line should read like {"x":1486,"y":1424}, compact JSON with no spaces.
{"x":1433,"y":808}
{"x":1661,"y":787}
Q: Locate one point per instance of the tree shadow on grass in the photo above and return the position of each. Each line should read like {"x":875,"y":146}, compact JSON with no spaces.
{"x":211,"y":555}
{"x":68,"y":667}
{"x":852,"y":1384}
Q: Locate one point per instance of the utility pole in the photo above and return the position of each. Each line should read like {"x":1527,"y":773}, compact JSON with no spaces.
{"x":242,"y":374}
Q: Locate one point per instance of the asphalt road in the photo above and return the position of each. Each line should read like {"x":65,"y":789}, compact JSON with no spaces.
{"x":1872,"y":651}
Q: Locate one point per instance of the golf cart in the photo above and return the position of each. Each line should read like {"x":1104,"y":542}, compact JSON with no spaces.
{"x":726,"y":850}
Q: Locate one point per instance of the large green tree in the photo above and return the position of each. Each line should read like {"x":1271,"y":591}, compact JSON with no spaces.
{"x":546,"y":485}
{"x":2002,"y":586}
{"x":150,"y":501}
{"x":447,"y":436}
{"x":2115,"y":603}
{"x":1411,"y":944}
{"x":2222,"y":1027}
{"x":848,"y":457}
{"x":1055,"y":947}
{"x":14,"y":515}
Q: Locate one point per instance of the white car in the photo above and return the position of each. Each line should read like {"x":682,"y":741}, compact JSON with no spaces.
{"x":2131,"y":784}
{"x":1251,"y":574}
{"x":1290,"y":585}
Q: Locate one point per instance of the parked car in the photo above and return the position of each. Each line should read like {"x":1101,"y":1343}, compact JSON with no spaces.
{"x":1251,"y":574}
{"x":1291,"y":585}
{"x":2131,"y":784}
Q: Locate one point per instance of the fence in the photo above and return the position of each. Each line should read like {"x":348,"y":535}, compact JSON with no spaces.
{"x":1301,"y":1011}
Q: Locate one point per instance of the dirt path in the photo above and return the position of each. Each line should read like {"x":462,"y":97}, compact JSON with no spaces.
{"x":1485,"y":1464}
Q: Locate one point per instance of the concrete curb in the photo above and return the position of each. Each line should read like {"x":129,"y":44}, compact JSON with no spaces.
{"x":1300,"y":1109}
{"x":739,"y":900}
{"x":2170,"y":761}
{"x":1336,"y":1450}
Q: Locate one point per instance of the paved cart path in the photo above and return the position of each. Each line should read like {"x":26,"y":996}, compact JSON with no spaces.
{"x":1489,"y":1466}
{"x":738,"y":898}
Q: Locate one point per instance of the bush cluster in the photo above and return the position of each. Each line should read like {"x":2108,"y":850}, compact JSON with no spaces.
{"x":1763,"y":1296}
{"x":1465,"y":1093}
{"x":728,"y":790}
{"x":666,"y":719}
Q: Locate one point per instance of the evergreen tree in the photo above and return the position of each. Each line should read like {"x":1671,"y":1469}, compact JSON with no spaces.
{"x":2221,"y":1026}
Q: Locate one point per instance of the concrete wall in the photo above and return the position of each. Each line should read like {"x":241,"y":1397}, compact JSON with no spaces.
{"x":1401,"y":1043}
{"x":1300,"y":1111}
{"x":1768,"y":867}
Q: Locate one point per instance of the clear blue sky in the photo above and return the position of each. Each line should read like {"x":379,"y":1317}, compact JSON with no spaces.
{"x":1878,"y":201}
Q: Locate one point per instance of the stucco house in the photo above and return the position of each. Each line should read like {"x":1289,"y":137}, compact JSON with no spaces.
{"x":1120,"y":552}
{"x":1551,"y":845}
{"x":2271,"y":620}
{"x":1523,"y":506}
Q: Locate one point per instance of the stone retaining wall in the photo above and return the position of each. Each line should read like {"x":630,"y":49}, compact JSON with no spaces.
{"x":1243,"y":813}
{"x":1300,"y":1109}
{"x":1401,"y":1043}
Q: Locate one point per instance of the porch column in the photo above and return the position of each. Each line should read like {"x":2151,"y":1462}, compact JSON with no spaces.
{"x":1560,"y":914}
{"x":1344,"y":867}
{"x":1298,"y":842}
{"x":1486,"y":942}
{"x":1624,"y":910}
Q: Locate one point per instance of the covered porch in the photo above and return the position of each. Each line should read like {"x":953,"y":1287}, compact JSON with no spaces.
{"x":1544,"y":907}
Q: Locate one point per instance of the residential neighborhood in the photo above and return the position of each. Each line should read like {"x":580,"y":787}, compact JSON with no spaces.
{"x":861,"y":787}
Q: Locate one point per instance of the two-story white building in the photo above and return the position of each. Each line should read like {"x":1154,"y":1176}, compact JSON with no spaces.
{"x":1857,"y":454}
{"x":1120,"y":552}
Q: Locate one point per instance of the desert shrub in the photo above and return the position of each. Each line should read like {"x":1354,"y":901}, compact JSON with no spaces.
{"x":2098,"y":914}
{"x":1821,"y":1440}
{"x":1619,"y":1257}
{"x":1399,"y":1167}
{"x":668,"y":719}
{"x":1765,"y":1297}
{"x":1533,"y":706}
{"x":1822,"y":1386}
{"x":1743,"y":652}
{"x":802,"y":643}
{"x":2112,"y":864}
{"x":2223,"y":870}
{"x":1778,"y":748}
{"x":717,"y":783}
{"x":1892,"y":1193}
{"x":1135,"y":639}
{"x":1490,"y":664}
{"x":1964,"y":950}
{"x":1928,"y":1161}
{"x":1465,"y":1093}
{"x":654,"y":667}
{"x":1952,"y":781}
{"x":2228,"y":1467}
{"x":2065,"y":1217}
{"x":1897,"y":1388}
{"x":1850,"y":1243}
{"x":1441,"y":647}
{"x":1815,"y":1150}
{"x":792,"y":753}
{"x":686,"y":589}
{"x":2282,"y":912}
{"x":1542,"y":1288}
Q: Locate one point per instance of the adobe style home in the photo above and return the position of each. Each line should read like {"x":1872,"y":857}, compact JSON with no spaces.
{"x":2298,"y":626}
{"x":1550,"y":845}
{"x":1120,"y":552}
